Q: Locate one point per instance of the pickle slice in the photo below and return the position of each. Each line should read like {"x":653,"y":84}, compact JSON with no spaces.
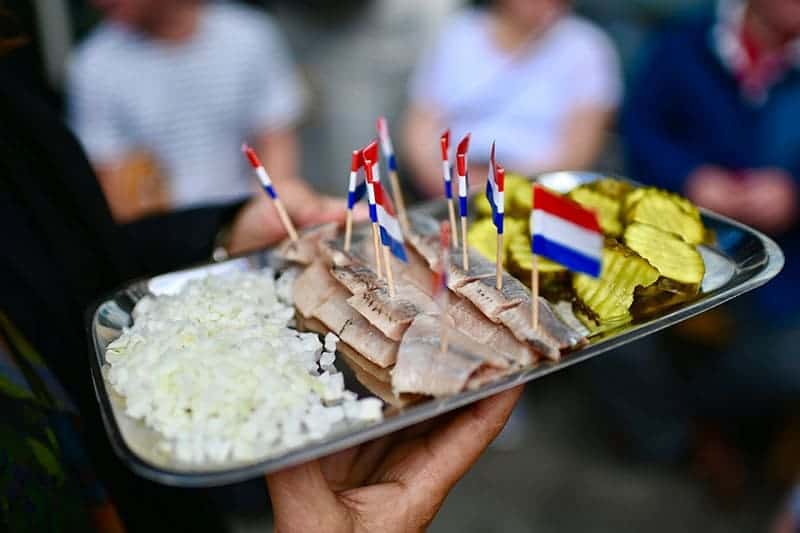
{"x":613,"y":188}
{"x":606,"y":207}
{"x":553,"y":278}
{"x":668,"y":212}
{"x":514,"y":184}
{"x":674,"y":259}
{"x":482,"y":236}
{"x":607,"y":300}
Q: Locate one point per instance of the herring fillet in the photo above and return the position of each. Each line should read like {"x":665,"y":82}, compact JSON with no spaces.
{"x":391,"y":316}
{"x":423,"y":368}
{"x":304,"y":250}
{"x":311,"y":288}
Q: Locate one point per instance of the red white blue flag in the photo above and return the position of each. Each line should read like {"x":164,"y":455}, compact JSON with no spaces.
{"x":386,"y":144}
{"x":463,"y":178}
{"x":495,"y":187}
{"x":566,"y":232}
{"x":447,"y":170}
{"x":371,"y":164}
{"x":357,"y":187}
{"x":390,"y":230}
{"x":261,"y":172}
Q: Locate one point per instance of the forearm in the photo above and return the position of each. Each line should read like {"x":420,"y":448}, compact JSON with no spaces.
{"x":423,"y":156}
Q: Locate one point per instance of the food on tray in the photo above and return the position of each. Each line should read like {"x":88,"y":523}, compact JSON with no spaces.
{"x":395,"y":341}
{"x":674,"y":258}
{"x":650,"y":233}
{"x":605,"y":303}
{"x":219,"y":373}
{"x":666,"y":211}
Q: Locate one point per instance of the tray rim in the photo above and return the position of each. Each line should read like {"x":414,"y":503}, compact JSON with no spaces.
{"x":415,"y":413}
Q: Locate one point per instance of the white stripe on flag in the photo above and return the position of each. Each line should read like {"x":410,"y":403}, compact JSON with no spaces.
{"x":371,"y":193}
{"x":567,"y":234}
{"x":261,"y":172}
{"x":353,"y":177}
{"x":499,"y":197}
{"x":446,"y":170}
{"x":390,"y":224}
{"x":462,"y":186}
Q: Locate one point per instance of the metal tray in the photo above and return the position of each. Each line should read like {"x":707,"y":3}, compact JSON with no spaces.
{"x":743,"y":260}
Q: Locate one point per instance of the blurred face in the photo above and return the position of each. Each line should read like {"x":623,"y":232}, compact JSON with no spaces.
{"x":781,"y":16}
{"x":530,"y":13}
{"x":134,"y":13}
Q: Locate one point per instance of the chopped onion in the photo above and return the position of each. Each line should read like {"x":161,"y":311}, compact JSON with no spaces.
{"x":218,"y":372}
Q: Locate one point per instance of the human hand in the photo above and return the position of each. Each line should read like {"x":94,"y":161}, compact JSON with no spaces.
{"x":717,"y":189}
{"x":258,"y":225}
{"x":393,"y":484}
{"x":771,"y":200}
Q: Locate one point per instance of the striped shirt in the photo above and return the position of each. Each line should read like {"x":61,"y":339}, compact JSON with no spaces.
{"x":189,"y":105}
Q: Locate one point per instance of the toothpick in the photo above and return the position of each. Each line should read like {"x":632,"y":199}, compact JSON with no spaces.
{"x":348,"y":230}
{"x":452,"y":211}
{"x":387,"y":259}
{"x":377,"y":242}
{"x":499,"y":265}
{"x":465,"y":245}
{"x":284,"y":216}
{"x":398,"y":200}
{"x":534,"y":270}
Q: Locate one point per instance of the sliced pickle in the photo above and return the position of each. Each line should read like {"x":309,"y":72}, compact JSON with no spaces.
{"x":668,"y":212}
{"x":513,"y":184}
{"x":613,"y":188}
{"x":607,"y":300}
{"x":607,"y":208}
{"x":553,"y":278}
{"x":632,"y":198}
{"x":482,"y":236}
{"x":674,"y":259}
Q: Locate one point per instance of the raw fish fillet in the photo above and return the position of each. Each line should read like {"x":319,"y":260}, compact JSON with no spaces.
{"x":423,"y":368}
{"x":312,"y":288}
{"x":391,"y":316}
{"x":304,"y":250}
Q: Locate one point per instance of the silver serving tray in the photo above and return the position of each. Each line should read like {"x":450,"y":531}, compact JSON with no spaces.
{"x":743,"y":260}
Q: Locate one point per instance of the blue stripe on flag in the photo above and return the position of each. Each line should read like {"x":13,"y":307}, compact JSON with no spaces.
{"x":354,"y":196}
{"x":373,"y":213}
{"x":496,"y":217}
{"x":392,"y":163}
{"x":462,"y":205}
{"x":575,"y":261}
{"x":397,"y":248}
{"x":271,"y":191}
{"x":498,"y":222}
{"x":448,"y":189}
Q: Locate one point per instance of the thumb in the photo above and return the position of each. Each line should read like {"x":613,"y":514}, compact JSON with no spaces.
{"x":302,"y":500}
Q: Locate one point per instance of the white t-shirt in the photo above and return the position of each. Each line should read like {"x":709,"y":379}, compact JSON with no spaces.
{"x":520,"y":100}
{"x":190,"y":105}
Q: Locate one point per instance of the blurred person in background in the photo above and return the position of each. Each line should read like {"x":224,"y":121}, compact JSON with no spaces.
{"x":529,"y":74}
{"x":714,"y":114}
{"x":163,"y":93}
{"x":357,"y":65}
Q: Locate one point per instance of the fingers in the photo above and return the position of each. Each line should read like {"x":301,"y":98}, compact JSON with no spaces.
{"x":302,"y":500}
{"x":454,"y":448}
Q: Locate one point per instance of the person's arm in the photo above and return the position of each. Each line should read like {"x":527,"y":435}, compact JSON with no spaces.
{"x":421,"y":131}
{"x":393,"y":484}
{"x":583,"y":138}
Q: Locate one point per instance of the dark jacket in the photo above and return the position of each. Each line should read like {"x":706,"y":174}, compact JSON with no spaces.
{"x":686,"y":109}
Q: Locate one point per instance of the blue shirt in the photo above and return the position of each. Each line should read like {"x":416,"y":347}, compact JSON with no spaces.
{"x":686,"y":109}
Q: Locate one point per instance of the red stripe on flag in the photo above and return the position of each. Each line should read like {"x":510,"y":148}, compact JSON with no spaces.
{"x":500,"y":178}
{"x":445,"y":142}
{"x":370,"y":151}
{"x":565,"y":208}
{"x":462,"y":165}
{"x":356,"y":161}
{"x":463,"y":146}
{"x":251,"y":155}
